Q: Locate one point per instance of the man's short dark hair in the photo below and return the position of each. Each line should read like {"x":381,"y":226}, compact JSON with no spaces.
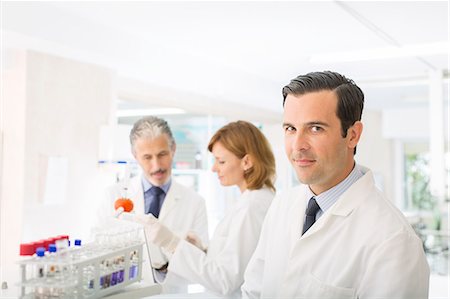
{"x":350,"y":96}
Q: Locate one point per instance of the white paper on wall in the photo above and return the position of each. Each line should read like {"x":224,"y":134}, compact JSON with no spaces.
{"x":56,"y":180}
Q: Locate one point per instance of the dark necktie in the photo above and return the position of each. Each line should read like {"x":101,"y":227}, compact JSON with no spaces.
{"x":311,"y":212}
{"x":156,"y":194}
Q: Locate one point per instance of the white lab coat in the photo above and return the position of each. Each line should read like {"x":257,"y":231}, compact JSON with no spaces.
{"x":362,"y":247}
{"x":183,"y":210}
{"x":221,"y":270}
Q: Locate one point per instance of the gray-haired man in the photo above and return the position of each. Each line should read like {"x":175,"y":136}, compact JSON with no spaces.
{"x":177,"y":207}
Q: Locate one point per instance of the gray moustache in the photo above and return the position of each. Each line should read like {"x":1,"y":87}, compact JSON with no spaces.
{"x":158,"y":171}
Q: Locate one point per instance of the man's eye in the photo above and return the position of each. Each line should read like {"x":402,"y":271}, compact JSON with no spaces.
{"x":316,"y":129}
{"x":289,"y":129}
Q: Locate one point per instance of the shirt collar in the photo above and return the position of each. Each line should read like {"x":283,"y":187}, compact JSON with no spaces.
{"x":146,"y":185}
{"x":326,"y":199}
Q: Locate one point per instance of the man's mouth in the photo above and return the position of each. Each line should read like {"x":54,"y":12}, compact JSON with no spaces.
{"x":303,"y":162}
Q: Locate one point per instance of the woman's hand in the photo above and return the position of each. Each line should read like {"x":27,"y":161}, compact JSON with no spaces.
{"x":192,"y":238}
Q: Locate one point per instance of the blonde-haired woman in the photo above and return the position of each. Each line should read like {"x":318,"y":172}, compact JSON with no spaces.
{"x":243,"y":157}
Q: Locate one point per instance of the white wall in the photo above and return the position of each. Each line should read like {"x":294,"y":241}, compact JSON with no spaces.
{"x":275,"y":135}
{"x":53,"y":113}
{"x":407,"y":123}
{"x":376,"y":152}
{"x":13,"y":152}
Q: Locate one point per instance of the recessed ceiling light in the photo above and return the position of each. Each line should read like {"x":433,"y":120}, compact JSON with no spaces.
{"x":383,"y":53}
{"x":154,"y":111}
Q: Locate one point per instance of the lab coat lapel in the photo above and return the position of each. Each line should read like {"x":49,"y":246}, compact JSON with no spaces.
{"x":136,"y":194}
{"x":354,"y":196}
{"x":318,"y":225}
{"x":344,"y":206}
{"x":171,"y":200}
{"x":297,"y":211}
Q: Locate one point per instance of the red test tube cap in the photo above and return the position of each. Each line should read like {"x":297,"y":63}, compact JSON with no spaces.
{"x":27,"y":249}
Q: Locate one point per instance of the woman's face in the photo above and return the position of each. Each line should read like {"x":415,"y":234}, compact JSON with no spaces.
{"x":229,"y":168}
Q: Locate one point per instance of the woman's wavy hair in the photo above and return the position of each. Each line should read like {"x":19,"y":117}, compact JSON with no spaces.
{"x":243,"y":138}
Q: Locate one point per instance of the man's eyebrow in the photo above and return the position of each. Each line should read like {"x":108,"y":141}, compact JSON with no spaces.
{"x":317,"y":122}
{"x":310,"y":123}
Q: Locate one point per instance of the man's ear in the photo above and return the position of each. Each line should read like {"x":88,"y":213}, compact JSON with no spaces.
{"x":247,"y":162}
{"x":354,"y":134}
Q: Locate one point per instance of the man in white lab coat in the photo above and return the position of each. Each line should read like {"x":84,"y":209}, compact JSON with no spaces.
{"x":336,"y":236}
{"x":179,"y":208}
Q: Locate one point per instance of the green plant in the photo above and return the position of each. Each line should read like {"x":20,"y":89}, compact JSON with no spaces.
{"x":418,"y":179}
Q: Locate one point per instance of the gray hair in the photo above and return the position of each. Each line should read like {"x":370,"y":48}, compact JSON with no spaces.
{"x":151,"y":127}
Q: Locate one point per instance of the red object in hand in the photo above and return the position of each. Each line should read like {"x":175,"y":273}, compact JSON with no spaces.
{"x":125,"y":203}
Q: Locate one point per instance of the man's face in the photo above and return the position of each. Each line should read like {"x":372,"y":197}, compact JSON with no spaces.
{"x":321,"y":157}
{"x":155,"y":157}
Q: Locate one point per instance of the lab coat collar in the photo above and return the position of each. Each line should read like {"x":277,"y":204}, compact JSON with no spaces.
{"x":328,"y":198}
{"x":349,"y":200}
{"x":173,"y":196}
{"x":146,"y":185}
{"x":354,"y":195}
{"x":136,"y":194}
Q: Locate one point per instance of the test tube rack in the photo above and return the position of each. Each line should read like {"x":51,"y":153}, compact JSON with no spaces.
{"x":91,"y":271}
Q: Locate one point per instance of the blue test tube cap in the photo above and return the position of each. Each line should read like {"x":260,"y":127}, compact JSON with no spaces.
{"x":52,"y":248}
{"x":40,"y":251}
{"x":77,"y":242}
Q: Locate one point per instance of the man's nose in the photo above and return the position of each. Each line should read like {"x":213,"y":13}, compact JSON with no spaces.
{"x":155,"y":164}
{"x":300,"y":142}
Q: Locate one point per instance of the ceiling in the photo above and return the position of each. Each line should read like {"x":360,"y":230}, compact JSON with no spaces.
{"x":240,"y":53}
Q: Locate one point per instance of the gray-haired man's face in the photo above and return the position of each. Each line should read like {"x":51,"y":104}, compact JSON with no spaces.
{"x":155,"y":156}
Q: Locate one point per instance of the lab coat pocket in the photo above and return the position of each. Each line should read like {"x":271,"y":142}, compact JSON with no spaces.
{"x":315,"y":288}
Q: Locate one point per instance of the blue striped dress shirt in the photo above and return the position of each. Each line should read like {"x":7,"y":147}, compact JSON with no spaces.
{"x":326,"y":199}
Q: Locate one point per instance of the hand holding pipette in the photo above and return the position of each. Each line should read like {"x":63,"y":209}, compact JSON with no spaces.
{"x":157,"y":233}
{"x":123,"y":205}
